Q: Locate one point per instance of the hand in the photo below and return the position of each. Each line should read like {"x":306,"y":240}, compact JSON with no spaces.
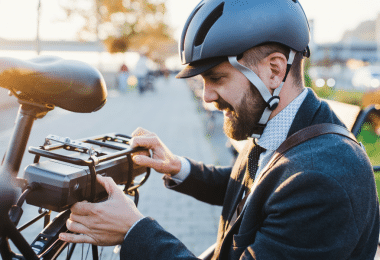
{"x":105,"y":223}
{"x":162,"y":159}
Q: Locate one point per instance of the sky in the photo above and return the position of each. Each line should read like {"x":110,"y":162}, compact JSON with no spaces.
{"x":331,"y":18}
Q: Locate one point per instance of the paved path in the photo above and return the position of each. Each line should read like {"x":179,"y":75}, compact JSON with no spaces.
{"x":172,"y":113}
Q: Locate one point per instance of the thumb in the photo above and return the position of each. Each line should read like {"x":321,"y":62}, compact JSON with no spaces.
{"x":109,"y":185}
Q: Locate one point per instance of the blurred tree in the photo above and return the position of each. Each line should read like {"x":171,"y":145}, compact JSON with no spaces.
{"x":125,"y":25}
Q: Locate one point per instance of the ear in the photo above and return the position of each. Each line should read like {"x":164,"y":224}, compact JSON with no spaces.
{"x":276,"y":64}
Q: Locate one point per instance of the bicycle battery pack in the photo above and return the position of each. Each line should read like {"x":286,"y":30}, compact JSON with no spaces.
{"x":70,"y":174}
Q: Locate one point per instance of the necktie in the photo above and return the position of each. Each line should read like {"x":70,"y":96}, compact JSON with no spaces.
{"x":253,"y":161}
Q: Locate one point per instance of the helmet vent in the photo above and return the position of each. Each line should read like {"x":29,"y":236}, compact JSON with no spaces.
{"x":240,"y":2}
{"x":208,"y":23}
{"x":186,"y":27}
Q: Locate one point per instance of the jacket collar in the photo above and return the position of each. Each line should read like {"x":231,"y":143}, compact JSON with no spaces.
{"x":313,"y":111}
{"x":306,"y":112}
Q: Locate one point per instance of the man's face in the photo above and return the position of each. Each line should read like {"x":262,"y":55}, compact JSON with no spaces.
{"x":231,"y":92}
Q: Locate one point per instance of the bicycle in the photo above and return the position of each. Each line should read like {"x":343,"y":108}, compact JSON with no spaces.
{"x":40,"y":85}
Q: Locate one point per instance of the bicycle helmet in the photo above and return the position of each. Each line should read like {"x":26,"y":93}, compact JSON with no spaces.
{"x":221,"y":30}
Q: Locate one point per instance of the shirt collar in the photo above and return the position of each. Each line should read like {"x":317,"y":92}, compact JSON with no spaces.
{"x":277,"y":128}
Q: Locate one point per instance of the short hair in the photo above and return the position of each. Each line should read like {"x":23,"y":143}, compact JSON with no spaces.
{"x":253,"y":56}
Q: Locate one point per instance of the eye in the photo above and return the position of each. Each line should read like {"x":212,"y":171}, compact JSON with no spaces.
{"x":215,"y":78}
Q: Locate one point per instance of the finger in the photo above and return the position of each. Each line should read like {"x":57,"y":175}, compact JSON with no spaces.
{"x":74,"y":218}
{"x":140,"y":131}
{"x":109,"y":185}
{"x":149,"y":142}
{"x":156,"y":164}
{"x":77,"y":227}
{"x":141,"y":152}
{"x":74,"y":238}
{"x":83,"y":208}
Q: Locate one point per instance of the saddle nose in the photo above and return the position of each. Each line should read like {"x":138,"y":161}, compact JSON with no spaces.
{"x":69,"y":84}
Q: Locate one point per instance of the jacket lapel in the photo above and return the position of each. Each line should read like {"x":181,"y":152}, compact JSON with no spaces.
{"x":306,"y":112}
{"x":238,"y":184}
{"x":313,"y":111}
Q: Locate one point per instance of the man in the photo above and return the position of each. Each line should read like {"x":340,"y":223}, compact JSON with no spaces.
{"x":318,"y":201}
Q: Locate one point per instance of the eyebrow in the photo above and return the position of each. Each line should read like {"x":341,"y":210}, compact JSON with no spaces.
{"x":212,"y":73}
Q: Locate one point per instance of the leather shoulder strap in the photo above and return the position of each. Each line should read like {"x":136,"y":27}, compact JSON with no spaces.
{"x":311,"y":132}
{"x":308,"y":133}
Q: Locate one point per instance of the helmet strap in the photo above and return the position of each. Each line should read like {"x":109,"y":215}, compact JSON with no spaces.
{"x":271,"y":100}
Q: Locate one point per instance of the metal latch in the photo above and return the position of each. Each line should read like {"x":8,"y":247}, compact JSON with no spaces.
{"x":73,"y":143}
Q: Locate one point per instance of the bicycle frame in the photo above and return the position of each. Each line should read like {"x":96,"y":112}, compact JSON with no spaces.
{"x":28,"y":112}
{"x":39,"y":84}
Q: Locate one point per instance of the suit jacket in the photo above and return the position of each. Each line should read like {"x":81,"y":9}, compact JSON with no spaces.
{"x":319,"y":201}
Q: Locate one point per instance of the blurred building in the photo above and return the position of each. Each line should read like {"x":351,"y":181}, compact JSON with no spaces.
{"x":20,"y":45}
{"x":361,"y":43}
{"x":341,"y":52}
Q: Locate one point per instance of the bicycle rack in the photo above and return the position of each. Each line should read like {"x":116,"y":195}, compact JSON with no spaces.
{"x":67,"y":175}
{"x":108,"y":155}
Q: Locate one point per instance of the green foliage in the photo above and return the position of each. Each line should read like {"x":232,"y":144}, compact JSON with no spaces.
{"x":324,"y":92}
{"x":349,"y":97}
{"x":367,"y":134}
{"x":306,"y":68}
{"x":371,"y":141}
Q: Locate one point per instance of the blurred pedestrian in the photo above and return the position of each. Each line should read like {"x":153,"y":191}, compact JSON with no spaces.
{"x":141,"y":71}
{"x":122,"y":79}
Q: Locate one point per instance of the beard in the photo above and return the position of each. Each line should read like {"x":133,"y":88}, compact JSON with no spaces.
{"x":245,"y":116}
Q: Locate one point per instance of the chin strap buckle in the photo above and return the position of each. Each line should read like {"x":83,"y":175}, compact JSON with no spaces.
{"x":273,"y":102}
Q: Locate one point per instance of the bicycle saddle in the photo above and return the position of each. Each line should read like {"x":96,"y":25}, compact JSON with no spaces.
{"x":68,"y":84}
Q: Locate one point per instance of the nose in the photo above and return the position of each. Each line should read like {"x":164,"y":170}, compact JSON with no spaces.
{"x":209,"y":93}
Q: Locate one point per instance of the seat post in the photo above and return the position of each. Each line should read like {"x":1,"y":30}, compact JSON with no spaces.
{"x":10,"y":166}
{"x":26,"y":115}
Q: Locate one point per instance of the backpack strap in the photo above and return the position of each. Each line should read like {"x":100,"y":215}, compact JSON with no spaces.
{"x":308,"y":133}
{"x":314,"y":131}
